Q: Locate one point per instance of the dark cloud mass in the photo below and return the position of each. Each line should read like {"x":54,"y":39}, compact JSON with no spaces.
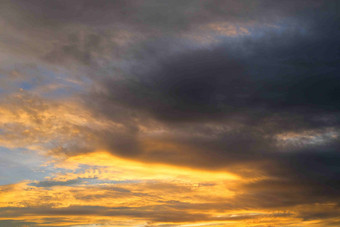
{"x":273,"y":82}
{"x":252,"y":87}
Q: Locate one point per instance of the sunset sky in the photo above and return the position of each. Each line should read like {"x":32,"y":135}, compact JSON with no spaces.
{"x":162,"y":113}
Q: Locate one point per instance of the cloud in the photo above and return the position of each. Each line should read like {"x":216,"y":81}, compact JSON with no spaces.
{"x":88,"y":33}
{"x":161,"y":195}
{"x":50,"y":183}
{"x":13,"y":223}
{"x":256,"y":95}
{"x":207,"y":110}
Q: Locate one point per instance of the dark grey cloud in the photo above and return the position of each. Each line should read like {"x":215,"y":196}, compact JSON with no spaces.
{"x":51,"y":183}
{"x":13,"y":223}
{"x":284,"y":72}
{"x":83,"y":32}
{"x":160,"y":213}
{"x":228,"y":104}
{"x":165,"y":15}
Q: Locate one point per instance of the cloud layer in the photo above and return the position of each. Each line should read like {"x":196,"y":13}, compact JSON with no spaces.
{"x":246,"y":89}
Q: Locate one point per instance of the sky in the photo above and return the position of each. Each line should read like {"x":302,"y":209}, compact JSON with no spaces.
{"x":162,"y":113}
